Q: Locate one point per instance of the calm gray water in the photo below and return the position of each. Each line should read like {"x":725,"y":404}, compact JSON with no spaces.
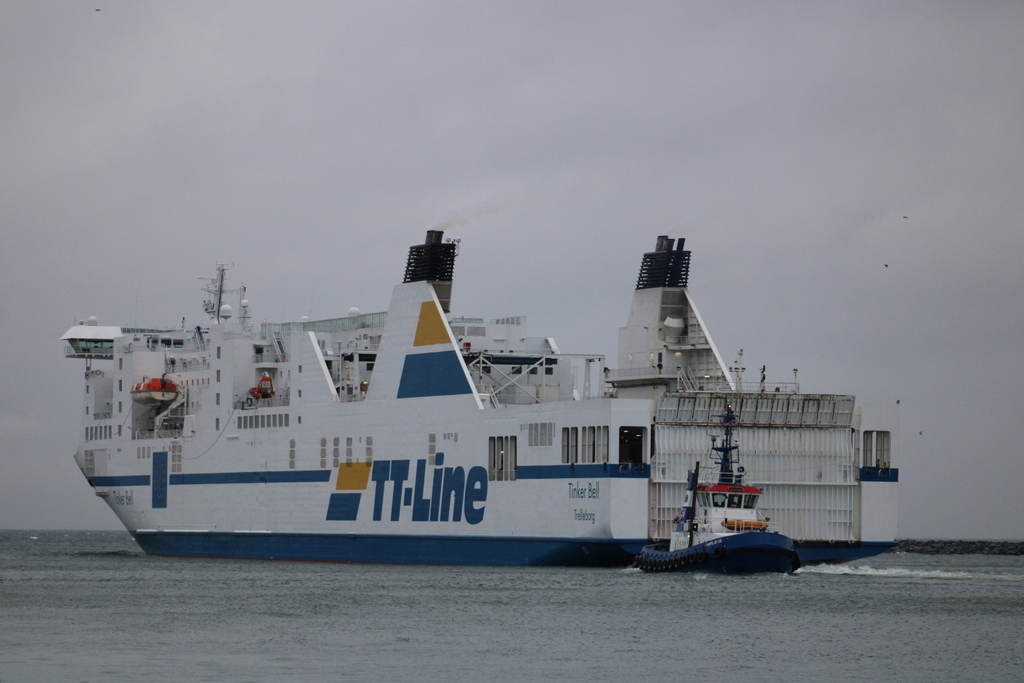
{"x":78,"y":606}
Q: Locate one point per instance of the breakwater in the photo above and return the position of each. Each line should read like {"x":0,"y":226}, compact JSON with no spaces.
{"x":936,"y":547}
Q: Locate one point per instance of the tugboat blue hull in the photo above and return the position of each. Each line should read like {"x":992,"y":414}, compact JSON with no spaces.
{"x":747,"y":553}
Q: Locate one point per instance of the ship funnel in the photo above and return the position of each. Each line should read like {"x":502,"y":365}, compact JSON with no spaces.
{"x":667,"y":266}
{"x":433,"y":262}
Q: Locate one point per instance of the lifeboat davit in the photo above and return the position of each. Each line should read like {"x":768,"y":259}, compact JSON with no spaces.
{"x":263,"y":389}
{"x":154,"y":391}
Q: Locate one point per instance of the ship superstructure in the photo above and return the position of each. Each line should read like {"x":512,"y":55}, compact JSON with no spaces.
{"x":417,"y":435}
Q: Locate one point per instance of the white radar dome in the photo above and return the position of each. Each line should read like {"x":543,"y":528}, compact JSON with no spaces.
{"x":226,"y":311}
{"x":245,"y":303}
{"x":353,"y":312}
{"x":304,"y":319}
{"x":91,"y":320}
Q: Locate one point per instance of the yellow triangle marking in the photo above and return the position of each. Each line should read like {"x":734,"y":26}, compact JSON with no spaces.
{"x":431,"y":328}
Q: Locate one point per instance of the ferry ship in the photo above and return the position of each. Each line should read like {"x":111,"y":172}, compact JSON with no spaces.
{"x":420,"y":436}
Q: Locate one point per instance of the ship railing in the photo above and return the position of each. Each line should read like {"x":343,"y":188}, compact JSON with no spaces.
{"x":636,"y":373}
{"x":530,"y":378}
{"x":684,"y":380}
{"x":329,"y":326}
{"x":157,"y":434}
{"x":186,"y":364}
{"x":356,"y":345}
{"x":718,"y":526}
{"x":169,"y":345}
{"x":250,"y":403}
{"x":768,"y":387}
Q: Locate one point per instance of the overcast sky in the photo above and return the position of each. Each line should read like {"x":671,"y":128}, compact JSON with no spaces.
{"x":798,"y":147}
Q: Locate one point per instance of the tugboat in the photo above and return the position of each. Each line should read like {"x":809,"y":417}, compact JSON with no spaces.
{"x":719,"y":529}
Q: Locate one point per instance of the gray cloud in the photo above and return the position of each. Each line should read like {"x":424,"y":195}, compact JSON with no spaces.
{"x":311,"y":143}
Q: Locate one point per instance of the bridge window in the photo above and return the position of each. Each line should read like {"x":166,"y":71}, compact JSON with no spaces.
{"x":735,"y":500}
{"x":750,"y":502}
{"x":718,"y":499}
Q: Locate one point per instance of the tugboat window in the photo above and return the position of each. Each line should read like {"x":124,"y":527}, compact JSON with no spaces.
{"x":718,"y":499}
{"x":735,"y":500}
{"x":750,"y":502}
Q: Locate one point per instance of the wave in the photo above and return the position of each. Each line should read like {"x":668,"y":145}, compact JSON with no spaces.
{"x":106,"y":553}
{"x":901,"y":573}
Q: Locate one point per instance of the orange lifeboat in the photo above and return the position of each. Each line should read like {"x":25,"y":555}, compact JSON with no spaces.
{"x":154,"y":391}
{"x":263,"y":389}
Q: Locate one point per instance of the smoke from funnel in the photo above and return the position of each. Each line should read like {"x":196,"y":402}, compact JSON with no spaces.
{"x":461,"y":220}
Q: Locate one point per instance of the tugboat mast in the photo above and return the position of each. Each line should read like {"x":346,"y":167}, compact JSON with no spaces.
{"x":726,"y":474}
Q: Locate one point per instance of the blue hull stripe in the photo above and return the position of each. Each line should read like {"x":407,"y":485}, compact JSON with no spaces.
{"x":264,"y":477}
{"x":880,"y":474}
{"x":130,"y":480}
{"x":313,"y":476}
{"x":450,"y":550}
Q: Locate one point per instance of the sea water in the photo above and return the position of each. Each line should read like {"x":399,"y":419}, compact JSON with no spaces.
{"x":79,"y":606}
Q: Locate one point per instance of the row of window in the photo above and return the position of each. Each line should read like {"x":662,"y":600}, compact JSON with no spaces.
{"x":540,"y":433}
{"x":501,"y":458}
{"x":877,"y":449}
{"x":335,"y":450}
{"x":719,"y":499}
{"x":101,"y":432}
{"x":262,"y":421}
{"x":585,"y":444}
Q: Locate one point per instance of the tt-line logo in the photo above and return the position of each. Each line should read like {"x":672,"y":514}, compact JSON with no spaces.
{"x":451,"y":494}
